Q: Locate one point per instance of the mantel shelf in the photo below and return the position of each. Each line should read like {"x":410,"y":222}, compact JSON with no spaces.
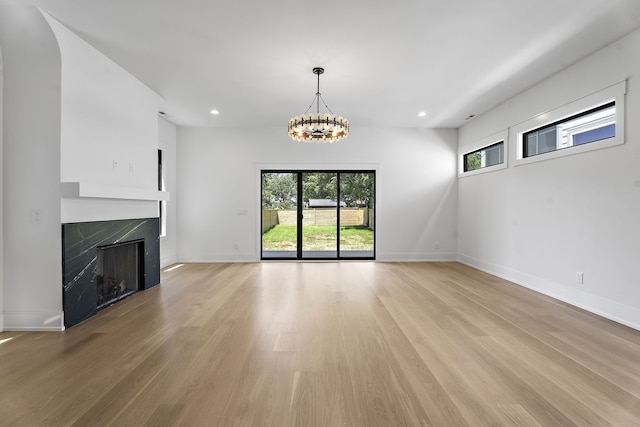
{"x":102,"y":191}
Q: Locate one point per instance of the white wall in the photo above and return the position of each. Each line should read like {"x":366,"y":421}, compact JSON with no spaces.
{"x":1,"y":204}
{"x":31,"y":169}
{"x":68,"y":113}
{"x":219,"y":181}
{"x":167,"y":137}
{"x":538,"y":224}
{"x":107,"y":116}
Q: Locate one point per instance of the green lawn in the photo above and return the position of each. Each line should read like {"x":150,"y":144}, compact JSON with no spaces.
{"x":317,"y":238}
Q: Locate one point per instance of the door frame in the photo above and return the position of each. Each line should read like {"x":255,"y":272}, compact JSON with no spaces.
{"x":305,"y":168}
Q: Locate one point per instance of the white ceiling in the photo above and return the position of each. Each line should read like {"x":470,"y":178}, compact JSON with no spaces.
{"x":385,"y":60}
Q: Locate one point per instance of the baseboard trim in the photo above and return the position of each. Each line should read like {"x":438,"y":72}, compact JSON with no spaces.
{"x":219,"y":257}
{"x":612,"y":310}
{"x":384,"y":257}
{"x":33,"y":321}
{"x":167,"y":261}
{"x":416,"y":256}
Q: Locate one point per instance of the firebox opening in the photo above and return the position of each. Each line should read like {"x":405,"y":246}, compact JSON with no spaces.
{"x":119,"y":271}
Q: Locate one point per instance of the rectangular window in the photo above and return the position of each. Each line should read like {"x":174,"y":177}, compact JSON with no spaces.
{"x":589,"y":126}
{"x":162,"y":204}
{"x":489,"y":154}
{"x":592,"y":122}
{"x":484,"y":157}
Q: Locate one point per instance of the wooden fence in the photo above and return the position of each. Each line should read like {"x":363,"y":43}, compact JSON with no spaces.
{"x":348,"y":217}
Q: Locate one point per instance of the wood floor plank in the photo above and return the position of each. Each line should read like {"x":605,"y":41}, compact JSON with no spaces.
{"x":518,"y":416}
{"x":326,"y":344}
{"x":577,"y":397}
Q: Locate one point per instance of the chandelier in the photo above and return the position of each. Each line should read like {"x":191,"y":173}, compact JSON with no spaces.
{"x":318,"y":127}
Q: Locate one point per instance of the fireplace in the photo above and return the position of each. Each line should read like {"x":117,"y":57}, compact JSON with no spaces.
{"x":118,"y":269}
{"x":90,"y":280}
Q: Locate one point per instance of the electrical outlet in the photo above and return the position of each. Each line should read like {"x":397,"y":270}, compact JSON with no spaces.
{"x":36,"y":216}
{"x":436,"y":246}
{"x":579,"y":277}
{"x":235,"y":246}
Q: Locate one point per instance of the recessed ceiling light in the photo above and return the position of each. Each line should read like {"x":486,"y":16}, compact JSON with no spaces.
{"x":422,"y":113}
{"x":215,"y":112}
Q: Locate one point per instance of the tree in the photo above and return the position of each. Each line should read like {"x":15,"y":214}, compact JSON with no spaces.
{"x":319,"y":185}
{"x":474,"y":161}
{"x":357,"y":189}
{"x":279,"y":190}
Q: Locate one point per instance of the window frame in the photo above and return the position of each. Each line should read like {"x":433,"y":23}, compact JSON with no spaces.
{"x":300,"y":252}
{"x":614,"y":93}
{"x":484,"y":143}
{"x":162,"y":204}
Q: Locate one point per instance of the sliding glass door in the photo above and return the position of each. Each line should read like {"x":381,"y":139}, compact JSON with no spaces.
{"x":279,"y":215}
{"x":357,"y":225}
{"x":318,"y":214}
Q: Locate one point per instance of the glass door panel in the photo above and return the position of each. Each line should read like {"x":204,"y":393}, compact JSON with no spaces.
{"x":320,"y":215}
{"x":357,"y":225}
{"x":279,"y":215}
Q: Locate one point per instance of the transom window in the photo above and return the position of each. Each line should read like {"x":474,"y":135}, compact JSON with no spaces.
{"x":592,"y":122}
{"x":489,"y":154}
{"x":593,"y":125}
{"x":484,"y":157}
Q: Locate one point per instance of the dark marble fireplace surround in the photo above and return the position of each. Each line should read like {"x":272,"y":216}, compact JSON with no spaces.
{"x":79,"y":254}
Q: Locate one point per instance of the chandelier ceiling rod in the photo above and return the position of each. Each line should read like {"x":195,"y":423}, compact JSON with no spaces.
{"x":317,"y":71}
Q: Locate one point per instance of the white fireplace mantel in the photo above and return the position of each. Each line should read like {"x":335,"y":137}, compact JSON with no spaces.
{"x":103,"y":191}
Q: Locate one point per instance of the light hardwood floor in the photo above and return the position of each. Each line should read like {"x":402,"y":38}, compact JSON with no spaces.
{"x":326,"y":344}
